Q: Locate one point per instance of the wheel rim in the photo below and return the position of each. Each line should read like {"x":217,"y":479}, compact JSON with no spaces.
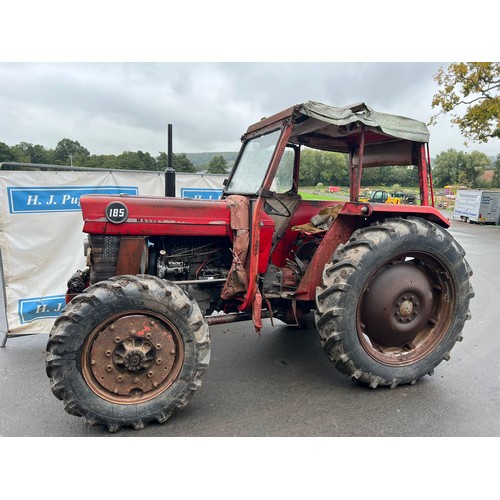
{"x":405,"y":309}
{"x":132,"y":357}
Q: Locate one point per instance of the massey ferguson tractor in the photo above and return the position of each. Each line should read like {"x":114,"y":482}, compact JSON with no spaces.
{"x":387,"y":284}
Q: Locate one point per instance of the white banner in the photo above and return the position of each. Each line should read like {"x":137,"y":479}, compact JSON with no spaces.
{"x":41,"y":237}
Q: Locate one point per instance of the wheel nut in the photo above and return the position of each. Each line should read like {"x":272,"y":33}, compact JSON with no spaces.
{"x":109,"y":368}
{"x":172,"y":351}
{"x":117,"y":340}
{"x":119,"y":378}
{"x":108,"y":353}
{"x":158,"y":361}
{"x":158,"y":346}
{"x":133,"y":332}
{"x":150,"y":374}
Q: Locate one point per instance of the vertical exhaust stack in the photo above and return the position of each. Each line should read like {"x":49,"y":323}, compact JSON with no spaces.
{"x":170,"y":172}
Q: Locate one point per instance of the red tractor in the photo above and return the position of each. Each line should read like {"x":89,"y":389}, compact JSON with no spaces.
{"x":388,"y":285}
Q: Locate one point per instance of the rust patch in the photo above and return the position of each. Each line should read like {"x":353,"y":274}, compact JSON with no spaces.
{"x":130,"y":255}
{"x":237,"y":279}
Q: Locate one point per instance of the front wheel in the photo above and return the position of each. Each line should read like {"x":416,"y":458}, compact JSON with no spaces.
{"x":128,"y":351}
{"x":394,"y":301}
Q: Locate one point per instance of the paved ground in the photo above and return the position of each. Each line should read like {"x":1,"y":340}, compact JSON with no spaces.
{"x":281,"y":384}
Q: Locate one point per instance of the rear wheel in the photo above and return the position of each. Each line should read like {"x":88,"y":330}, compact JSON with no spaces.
{"x":128,"y":351}
{"x":394,"y":301}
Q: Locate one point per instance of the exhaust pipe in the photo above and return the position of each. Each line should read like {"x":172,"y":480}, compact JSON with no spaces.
{"x":170,"y":172}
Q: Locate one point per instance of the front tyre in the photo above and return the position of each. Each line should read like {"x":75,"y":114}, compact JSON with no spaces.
{"x":394,"y":301}
{"x":128,"y":351}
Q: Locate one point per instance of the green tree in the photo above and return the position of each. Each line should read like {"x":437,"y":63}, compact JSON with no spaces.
{"x":321,"y":166}
{"x":333,"y":168}
{"x":67,"y":149}
{"x":135,"y":160}
{"x":446,"y":167}
{"x":475,"y":164}
{"x":471,"y":93}
{"x":147,"y":161}
{"x":182,"y":163}
{"x":23,"y":151}
{"x":161,"y":162}
{"x":32,"y":153}
{"x":128,"y":160}
{"x":308,"y":174}
{"x":217,"y":165}
{"x":495,"y":182}
{"x":96,"y":161}
{"x":6,"y":154}
{"x":457,"y":167}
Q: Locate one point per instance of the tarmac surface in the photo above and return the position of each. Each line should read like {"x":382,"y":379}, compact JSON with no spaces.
{"x":282,"y":384}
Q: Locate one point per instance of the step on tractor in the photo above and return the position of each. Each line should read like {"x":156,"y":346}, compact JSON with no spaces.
{"x":387,"y":285}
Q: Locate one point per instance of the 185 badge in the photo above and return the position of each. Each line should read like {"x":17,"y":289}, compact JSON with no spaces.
{"x":116,"y":212}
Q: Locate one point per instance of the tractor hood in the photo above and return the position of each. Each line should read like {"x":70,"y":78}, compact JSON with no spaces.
{"x":151,"y":216}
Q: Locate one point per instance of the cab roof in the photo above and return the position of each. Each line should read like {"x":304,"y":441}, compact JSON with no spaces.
{"x":331,"y":128}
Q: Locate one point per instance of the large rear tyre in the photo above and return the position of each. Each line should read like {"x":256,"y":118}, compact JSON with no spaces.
{"x":394,"y":301}
{"x":128,"y":351}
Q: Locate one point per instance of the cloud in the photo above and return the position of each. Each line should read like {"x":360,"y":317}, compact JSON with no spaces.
{"x":114,"y":107}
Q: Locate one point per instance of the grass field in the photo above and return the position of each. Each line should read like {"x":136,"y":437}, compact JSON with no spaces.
{"x":314,"y":193}
{"x":311,"y":193}
{"x":322,"y":196}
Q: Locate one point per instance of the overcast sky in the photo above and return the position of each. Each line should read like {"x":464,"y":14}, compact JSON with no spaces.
{"x":114,"y":107}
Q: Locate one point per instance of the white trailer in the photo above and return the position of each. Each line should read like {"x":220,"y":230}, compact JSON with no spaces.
{"x":475,"y":205}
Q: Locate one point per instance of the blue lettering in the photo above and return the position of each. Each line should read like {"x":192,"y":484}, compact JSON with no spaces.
{"x":201,"y":193}
{"x":40,"y":308}
{"x":57,"y":199}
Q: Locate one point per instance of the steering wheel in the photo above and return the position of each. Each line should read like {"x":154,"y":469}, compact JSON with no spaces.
{"x":272,"y":211}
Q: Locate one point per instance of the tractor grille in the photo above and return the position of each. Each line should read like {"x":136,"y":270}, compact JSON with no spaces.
{"x":103,"y":257}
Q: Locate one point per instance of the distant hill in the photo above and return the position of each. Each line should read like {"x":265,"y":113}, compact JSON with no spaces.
{"x":201,"y":160}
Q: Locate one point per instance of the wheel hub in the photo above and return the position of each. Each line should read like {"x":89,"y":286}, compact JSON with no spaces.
{"x":397,"y":305}
{"x":133,"y":361}
{"x":133,"y":354}
{"x":132,"y":358}
{"x":406,"y":308}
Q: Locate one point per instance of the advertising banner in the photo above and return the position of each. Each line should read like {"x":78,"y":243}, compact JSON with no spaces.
{"x":41,"y":238}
